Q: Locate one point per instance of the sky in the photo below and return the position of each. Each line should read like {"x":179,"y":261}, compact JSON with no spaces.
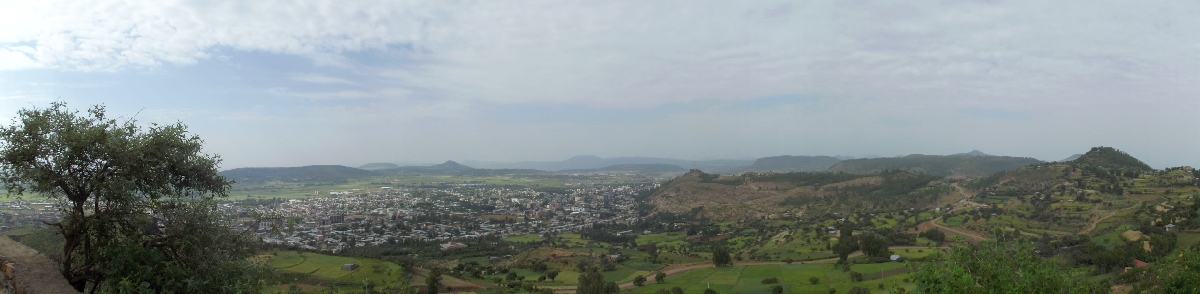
{"x":290,"y":83}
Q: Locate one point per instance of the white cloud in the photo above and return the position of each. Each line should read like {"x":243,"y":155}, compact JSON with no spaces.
{"x":321,"y":79}
{"x":904,"y":72}
{"x":612,"y":54}
{"x":16,"y":60}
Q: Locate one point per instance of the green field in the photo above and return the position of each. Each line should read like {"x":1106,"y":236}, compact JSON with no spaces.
{"x":794,"y":278}
{"x":330,"y":267}
{"x":523,"y":238}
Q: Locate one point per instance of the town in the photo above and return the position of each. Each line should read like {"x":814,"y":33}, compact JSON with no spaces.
{"x":360,"y":217}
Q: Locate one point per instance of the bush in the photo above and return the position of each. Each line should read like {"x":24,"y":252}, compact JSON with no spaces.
{"x":859,"y":290}
{"x":856,"y":276}
{"x":814,"y":280}
{"x":770,"y":280}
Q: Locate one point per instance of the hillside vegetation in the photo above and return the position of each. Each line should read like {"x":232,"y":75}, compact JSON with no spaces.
{"x":759,"y":195}
{"x":950,"y":165}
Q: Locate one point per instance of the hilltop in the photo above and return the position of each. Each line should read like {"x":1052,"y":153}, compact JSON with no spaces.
{"x":378,"y":166}
{"x":1095,"y":193}
{"x":317,"y":173}
{"x":965,"y":165}
{"x":451,"y":167}
{"x":788,"y":163}
{"x":1112,"y":159}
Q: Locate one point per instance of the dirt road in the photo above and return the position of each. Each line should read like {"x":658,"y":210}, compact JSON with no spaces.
{"x":1092,"y":226}
{"x":974,"y":236}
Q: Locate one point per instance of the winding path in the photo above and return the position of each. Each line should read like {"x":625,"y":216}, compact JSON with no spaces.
{"x":1111,"y":213}
{"x":972,"y":235}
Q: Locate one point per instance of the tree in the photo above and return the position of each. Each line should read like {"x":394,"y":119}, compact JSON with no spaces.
{"x":368,"y":286}
{"x":710,"y":291}
{"x":434,"y":281}
{"x":721,"y":256}
{"x":552,"y":274}
{"x":403,"y":283}
{"x":660,"y":277}
{"x":652,"y":249}
{"x":676,"y":290}
{"x":138,"y":201}
{"x":856,"y":276}
{"x":777,"y":289}
{"x":592,"y":282}
{"x":639,"y":280}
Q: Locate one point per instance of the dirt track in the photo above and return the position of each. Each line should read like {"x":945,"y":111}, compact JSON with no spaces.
{"x":35,"y":273}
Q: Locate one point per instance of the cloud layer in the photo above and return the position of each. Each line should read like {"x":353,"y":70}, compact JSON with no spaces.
{"x":877,"y":65}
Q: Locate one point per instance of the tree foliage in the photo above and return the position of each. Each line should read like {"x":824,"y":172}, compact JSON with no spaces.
{"x":998,"y":268}
{"x":592,"y":282}
{"x":721,"y":256}
{"x":135,"y":201}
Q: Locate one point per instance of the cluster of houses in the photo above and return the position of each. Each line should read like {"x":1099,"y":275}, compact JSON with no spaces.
{"x":19,"y":214}
{"x":444,"y":215}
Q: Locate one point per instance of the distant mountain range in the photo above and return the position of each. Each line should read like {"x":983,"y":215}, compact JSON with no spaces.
{"x":584,"y":162}
{"x":788,"y":163}
{"x":634,"y":168}
{"x":379,"y":166}
{"x":970,"y":164}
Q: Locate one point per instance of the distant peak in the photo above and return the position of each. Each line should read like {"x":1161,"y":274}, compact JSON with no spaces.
{"x":584,"y":157}
{"x":977,"y":153}
{"x":452,"y":164}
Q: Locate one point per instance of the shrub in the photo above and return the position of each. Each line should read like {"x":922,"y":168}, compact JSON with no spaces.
{"x":770,"y":280}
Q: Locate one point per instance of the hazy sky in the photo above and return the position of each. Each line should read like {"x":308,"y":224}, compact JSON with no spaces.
{"x":287,"y":83}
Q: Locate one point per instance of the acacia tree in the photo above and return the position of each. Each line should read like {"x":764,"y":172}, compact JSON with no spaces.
{"x":136,"y":202}
{"x":721,"y":256}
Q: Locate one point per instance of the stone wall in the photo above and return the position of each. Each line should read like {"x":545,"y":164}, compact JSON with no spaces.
{"x":25,"y":271}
